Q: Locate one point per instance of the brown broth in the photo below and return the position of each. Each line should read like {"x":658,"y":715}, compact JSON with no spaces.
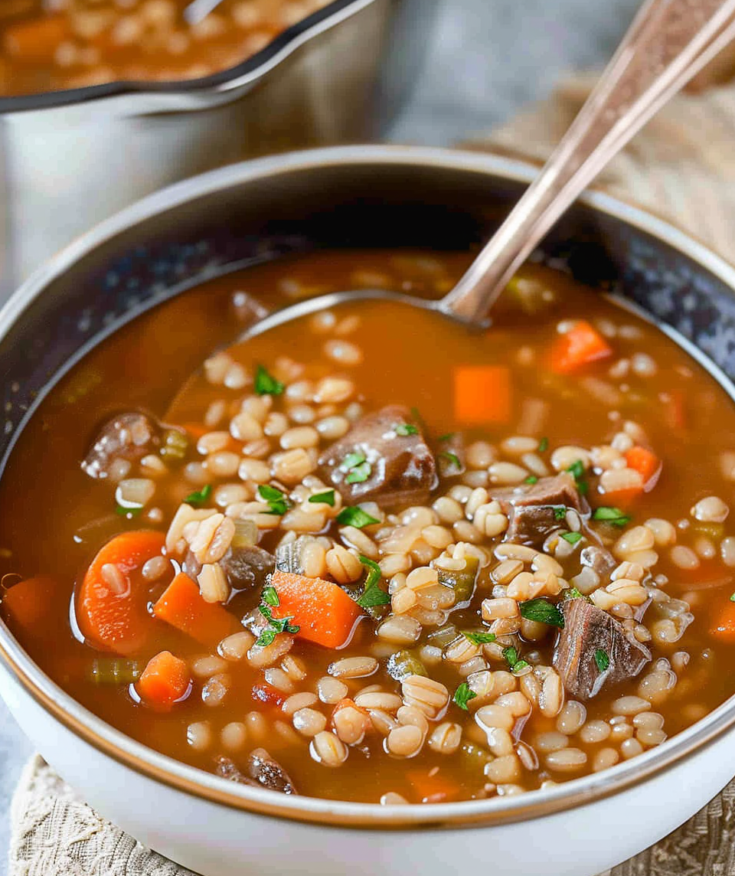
{"x":60,"y":517}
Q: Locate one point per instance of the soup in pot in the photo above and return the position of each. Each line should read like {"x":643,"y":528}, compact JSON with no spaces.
{"x":66,"y":44}
{"x":370,"y":555}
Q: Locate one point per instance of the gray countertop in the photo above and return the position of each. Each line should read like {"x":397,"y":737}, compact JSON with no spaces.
{"x":487,"y":58}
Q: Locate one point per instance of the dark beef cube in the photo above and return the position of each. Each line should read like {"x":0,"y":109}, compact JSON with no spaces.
{"x":268,"y":773}
{"x":532,"y":509}
{"x":125,"y":436}
{"x":600,"y":560}
{"x":226,"y":768}
{"x":262,"y":772}
{"x":246,"y":568}
{"x":588,"y":629}
{"x":402,"y":467}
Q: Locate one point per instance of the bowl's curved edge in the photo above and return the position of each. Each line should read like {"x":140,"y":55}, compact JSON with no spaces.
{"x":184,"y":778}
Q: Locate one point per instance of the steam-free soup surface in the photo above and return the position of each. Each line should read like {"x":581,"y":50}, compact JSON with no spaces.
{"x":371,"y":556}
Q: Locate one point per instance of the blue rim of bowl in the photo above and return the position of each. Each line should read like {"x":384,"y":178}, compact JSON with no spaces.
{"x":227,"y":80}
{"x":192,"y":781}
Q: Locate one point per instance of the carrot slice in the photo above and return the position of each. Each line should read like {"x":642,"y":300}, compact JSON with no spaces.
{"x":324,"y":612}
{"x":164,"y":681}
{"x":646,"y":463}
{"x":118,"y":621}
{"x":432,"y":787}
{"x":29,"y":605}
{"x":723,"y":626}
{"x":36,"y":41}
{"x":182,"y":606}
{"x":579,"y":346}
{"x":482,"y":394}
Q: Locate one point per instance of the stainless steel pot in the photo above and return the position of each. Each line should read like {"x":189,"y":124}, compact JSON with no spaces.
{"x":69,"y":159}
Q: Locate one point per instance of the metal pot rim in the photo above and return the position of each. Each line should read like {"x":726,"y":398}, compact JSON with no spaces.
{"x":190,"y":780}
{"x":139,"y":97}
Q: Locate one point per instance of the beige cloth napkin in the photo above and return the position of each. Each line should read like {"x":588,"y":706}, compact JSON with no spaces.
{"x":680,"y":167}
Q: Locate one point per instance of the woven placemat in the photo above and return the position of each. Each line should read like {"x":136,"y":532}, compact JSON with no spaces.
{"x":680,"y":167}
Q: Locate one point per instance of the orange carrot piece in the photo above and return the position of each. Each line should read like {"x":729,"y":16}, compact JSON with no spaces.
{"x":113,"y":621}
{"x":646,"y":463}
{"x":36,"y":41}
{"x":579,"y":346}
{"x":482,"y":394}
{"x":324,"y":612}
{"x":432,"y":787}
{"x":723,"y":626}
{"x":29,"y":604}
{"x":182,"y":606}
{"x":164,"y":681}
{"x":621,"y":498}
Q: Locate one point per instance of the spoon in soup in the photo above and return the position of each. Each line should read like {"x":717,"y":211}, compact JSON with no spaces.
{"x":668,"y":42}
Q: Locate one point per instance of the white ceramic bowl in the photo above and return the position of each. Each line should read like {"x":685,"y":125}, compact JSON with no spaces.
{"x":371,"y":195}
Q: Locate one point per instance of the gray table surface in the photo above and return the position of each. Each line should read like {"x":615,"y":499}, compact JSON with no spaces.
{"x":487,"y":59}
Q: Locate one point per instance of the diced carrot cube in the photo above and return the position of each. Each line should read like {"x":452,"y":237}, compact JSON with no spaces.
{"x":164,"y":681}
{"x":482,"y":394}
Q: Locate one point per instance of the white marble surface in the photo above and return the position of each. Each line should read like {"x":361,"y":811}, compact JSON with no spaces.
{"x":487,"y":58}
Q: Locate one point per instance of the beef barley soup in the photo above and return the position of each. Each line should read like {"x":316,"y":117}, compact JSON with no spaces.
{"x":371,"y":556}
{"x":63,"y":44}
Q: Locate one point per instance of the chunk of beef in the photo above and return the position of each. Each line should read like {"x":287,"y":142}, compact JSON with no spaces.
{"x":127,"y":436}
{"x":535,"y":511}
{"x":262,"y":772}
{"x":400,"y":469}
{"x":247,"y":568}
{"x":587,"y":630}
{"x":227,"y":769}
{"x":268,"y":773}
{"x":600,"y":560}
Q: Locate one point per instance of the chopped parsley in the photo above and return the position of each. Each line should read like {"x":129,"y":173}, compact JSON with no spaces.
{"x":275,"y":625}
{"x":404,"y":429}
{"x":452,"y":458}
{"x":579,"y":472}
{"x":266,"y":384}
{"x":543,"y":445}
{"x":479,"y":638}
{"x":325,"y":498}
{"x":373,"y":594}
{"x":511,"y":657}
{"x":357,"y":467}
{"x":572,"y":537}
{"x":463,"y":695}
{"x":560,"y":512}
{"x":133,"y":510}
{"x":353,"y":516}
{"x":613,"y":516}
{"x":542,"y":611}
{"x":277,"y":502}
{"x":447,"y":437}
{"x":270,"y":595}
{"x":732,"y":598}
{"x":602,"y":660}
{"x":575,"y":593}
{"x":200,"y":496}
{"x":531,"y":479}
